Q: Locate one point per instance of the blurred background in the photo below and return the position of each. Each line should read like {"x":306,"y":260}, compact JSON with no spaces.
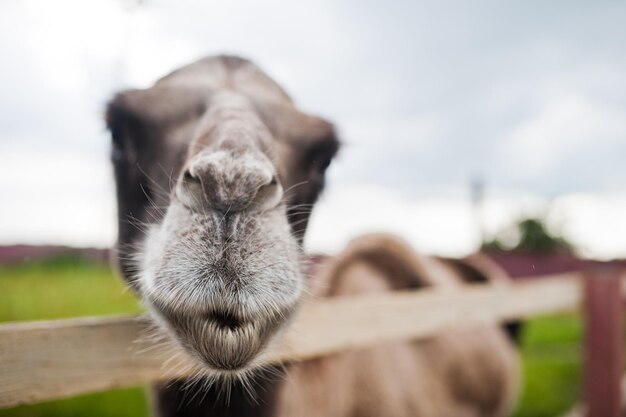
{"x":493,"y":125}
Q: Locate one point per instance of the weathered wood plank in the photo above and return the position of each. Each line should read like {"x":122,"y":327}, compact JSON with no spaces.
{"x":48,"y":360}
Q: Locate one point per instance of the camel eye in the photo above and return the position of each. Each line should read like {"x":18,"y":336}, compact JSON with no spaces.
{"x":325,"y":163}
{"x":117,"y":154}
{"x":322,"y":152}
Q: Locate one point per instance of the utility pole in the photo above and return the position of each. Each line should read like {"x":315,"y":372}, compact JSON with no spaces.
{"x":477,"y":188}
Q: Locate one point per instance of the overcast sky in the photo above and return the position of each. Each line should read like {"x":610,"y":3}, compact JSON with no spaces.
{"x":528,"y":96}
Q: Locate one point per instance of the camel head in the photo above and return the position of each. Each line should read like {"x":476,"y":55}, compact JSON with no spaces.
{"x":216,"y":174}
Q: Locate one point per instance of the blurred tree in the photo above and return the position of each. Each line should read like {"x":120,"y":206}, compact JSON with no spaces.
{"x":532,"y":236}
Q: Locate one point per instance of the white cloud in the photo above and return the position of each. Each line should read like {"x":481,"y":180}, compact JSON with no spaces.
{"x":565,"y":126}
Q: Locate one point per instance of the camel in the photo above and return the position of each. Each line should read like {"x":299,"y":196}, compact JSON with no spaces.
{"x":216,"y":174}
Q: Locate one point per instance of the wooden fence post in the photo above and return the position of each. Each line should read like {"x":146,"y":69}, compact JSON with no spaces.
{"x":603,"y":342}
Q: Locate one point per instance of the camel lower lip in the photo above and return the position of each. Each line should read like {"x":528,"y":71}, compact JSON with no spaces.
{"x":227,"y":349}
{"x":225,"y":320}
{"x":220,"y":339}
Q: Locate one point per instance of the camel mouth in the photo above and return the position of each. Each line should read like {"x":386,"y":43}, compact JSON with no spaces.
{"x":220,"y":340}
{"x":225,"y":320}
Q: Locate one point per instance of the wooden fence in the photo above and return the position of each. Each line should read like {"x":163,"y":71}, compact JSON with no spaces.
{"x":42,"y":361}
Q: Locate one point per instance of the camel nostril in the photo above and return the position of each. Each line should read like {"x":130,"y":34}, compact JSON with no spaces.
{"x":269,"y":195}
{"x":189,"y":190}
{"x":189,"y":177}
{"x":225,"y":320}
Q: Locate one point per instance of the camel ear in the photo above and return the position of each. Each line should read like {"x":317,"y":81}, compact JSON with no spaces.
{"x":137,"y":118}
{"x":127,"y":127}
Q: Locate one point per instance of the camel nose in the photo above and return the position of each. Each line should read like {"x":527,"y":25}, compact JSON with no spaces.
{"x":229,"y":181}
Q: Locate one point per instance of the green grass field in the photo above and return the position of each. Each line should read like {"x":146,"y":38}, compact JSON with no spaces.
{"x":551,"y":349}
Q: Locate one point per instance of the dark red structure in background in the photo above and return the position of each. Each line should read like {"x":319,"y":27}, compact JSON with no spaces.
{"x":604,"y":341}
{"x":528,"y":265}
{"x":26,"y":253}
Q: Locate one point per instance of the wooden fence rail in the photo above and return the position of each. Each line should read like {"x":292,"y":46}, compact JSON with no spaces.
{"x":49,"y":360}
